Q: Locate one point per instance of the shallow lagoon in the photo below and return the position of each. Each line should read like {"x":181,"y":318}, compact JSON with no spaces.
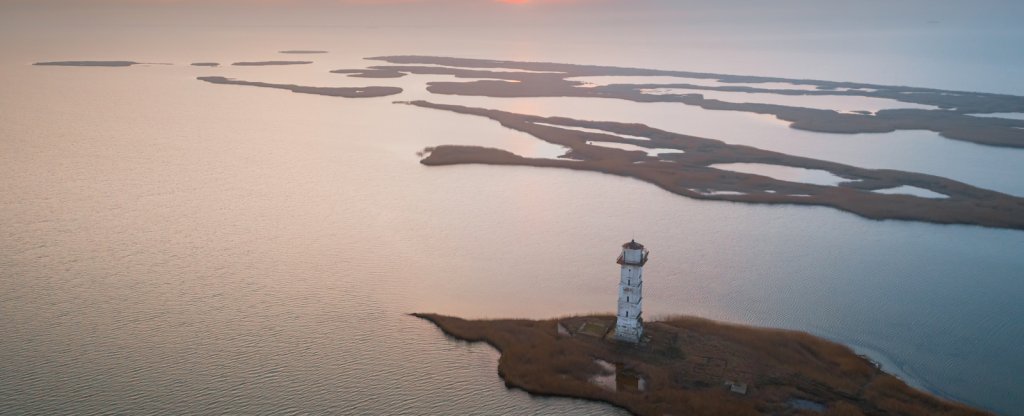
{"x":785,"y":173}
{"x":231,"y":249}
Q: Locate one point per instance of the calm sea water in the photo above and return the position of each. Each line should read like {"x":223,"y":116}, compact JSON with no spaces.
{"x":171,"y":246}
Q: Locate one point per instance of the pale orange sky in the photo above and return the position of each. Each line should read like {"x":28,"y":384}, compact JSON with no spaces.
{"x":288,"y":2}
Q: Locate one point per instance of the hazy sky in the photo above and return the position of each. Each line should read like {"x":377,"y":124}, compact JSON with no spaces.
{"x":990,"y":12}
{"x":297,"y":2}
{"x":905,"y":38}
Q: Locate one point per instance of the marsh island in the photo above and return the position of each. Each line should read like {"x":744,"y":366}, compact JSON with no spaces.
{"x":698,"y":167}
{"x":693,"y":366}
{"x":347,"y":92}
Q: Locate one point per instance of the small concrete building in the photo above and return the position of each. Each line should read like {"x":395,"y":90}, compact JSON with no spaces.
{"x":629,"y":323}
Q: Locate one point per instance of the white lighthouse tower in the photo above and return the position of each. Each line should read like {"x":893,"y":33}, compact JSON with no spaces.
{"x":629,"y":325}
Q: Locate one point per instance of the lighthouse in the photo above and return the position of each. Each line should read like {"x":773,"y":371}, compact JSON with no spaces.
{"x":629,"y":325}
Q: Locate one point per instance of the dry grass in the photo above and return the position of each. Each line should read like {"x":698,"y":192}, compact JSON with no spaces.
{"x":686,"y":361}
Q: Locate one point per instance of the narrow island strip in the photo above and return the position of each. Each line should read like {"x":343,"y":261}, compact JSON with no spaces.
{"x":694,"y":366}
{"x":347,"y":92}
{"x":370,"y":73}
{"x":271,"y":63}
{"x":89,"y":63}
{"x":691,"y":166}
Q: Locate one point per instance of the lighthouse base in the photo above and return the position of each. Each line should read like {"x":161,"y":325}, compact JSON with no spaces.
{"x":628,"y":330}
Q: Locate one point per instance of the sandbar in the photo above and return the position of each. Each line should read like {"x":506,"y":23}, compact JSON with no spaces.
{"x":209,"y":64}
